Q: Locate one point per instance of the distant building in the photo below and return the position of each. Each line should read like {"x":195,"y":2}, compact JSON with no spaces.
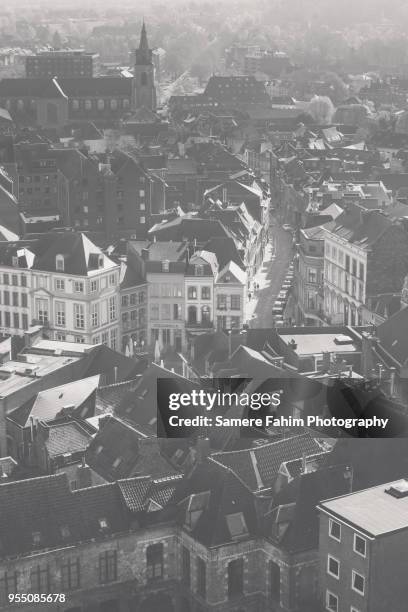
{"x":62,"y":63}
{"x":309,"y":273}
{"x":362,"y":544}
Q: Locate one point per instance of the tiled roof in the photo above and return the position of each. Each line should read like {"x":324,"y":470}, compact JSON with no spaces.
{"x":68,"y":437}
{"x":359,"y":225}
{"x":258,"y":467}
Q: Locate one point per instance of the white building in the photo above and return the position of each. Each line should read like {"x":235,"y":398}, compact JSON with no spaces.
{"x":63,"y":282}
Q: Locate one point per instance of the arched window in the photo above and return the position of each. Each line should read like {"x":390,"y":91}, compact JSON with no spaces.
{"x":101,"y":104}
{"x":75,"y":104}
{"x":192,"y":314}
{"x":126,"y":103}
{"x":205,"y":314}
{"x":114,"y":104}
{"x":88,"y":104}
{"x":143,"y":78}
{"x":20,"y":104}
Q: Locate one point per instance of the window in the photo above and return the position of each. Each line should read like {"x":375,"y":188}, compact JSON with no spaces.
{"x":199,"y":270}
{"x":192,"y":293}
{"x":24,"y":300}
{"x":361,"y":271}
{"x":75,"y":104}
{"x":88,"y":104}
{"x":108,"y":566}
{"x":14,"y":280}
{"x":166,"y":311}
{"x":79,"y":316}
{"x":15,"y":298}
{"x":41,"y":307}
{"x":112,"y":308}
{"x":205,"y":293}
{"x":235,"y":578}
{"x":16,"y":320}
{"x":154,"y":311}
{"x":125,"y":301}
{"x":6,"y":279}
{"x":112,"y":279}
{"x":235,"y":322}
{"x":59,"y":284}
{"x":235,"y":302}
{"x":7,"y":319}
{"x":23,"y":280}
{"x":347,"y":263}
{"x":332,"y":602}
{"x":40,"y":579}
{"x":222,"y":302}
{"x":154,"y":561}
{"x":185,"y":566}
{"x":333,"y":567}
{"x":6,"y":298}
{"x":359,"y":545}
{"x":192,"y":315}
{"x":113,"y":104}
{"x":70,"y":575}
{"x":101,"y":104}
{"x":60,"y":314}
{"x":201,"y":577}
{"x":25,"y":321}
{"x":335,"y":530}
{"x":176,"y":311}
{"x":354,"y":263}
{"x":274,"y":580}
{"x":142,"y":206}
{"x":357,"y":582}
{"x":142,"y":220}
{"x":95,"y":315}
{"x":94,"y":286}
{"x":8,"y":586}
{"x":78,"y":286}
{"x":165,"y":265}
{"x":205,"y":314}
{"x":59,"y":263}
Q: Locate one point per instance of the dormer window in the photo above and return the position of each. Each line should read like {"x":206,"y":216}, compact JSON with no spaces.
{"x":100,"y":261}
{"x":60,"y":263}
{"x":199,"y":270}
{"x":14,"y":261}
{"x":65,"y":532}
{"x":36,"y":538}
{"x":103,"y":524}
{"x":117,"y":462}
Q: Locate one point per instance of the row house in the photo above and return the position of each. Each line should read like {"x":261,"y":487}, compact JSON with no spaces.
{"x":133,"y":308}
{"x":187,"y":294}
{"x":309,"y":274}
{"x":64,"y":283}
{"x":366,"y":254}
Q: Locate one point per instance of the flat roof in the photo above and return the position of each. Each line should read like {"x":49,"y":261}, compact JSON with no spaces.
{"x":372,"y":510}
{"x":315,"y":344}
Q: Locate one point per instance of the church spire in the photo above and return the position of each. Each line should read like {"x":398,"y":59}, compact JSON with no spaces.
{"x":143,"y":45}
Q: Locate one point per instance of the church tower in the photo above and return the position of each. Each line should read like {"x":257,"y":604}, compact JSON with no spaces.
{"x":143,"y":90}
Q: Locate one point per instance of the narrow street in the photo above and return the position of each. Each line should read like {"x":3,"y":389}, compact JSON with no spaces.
{"x":270,"y":277}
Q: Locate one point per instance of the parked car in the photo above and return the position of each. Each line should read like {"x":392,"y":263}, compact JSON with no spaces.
{"x":282,"y":295}
{"x":286,"y":285}
{"x":277,"y":310}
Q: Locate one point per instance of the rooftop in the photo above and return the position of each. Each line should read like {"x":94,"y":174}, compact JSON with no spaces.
{"x":373,"y":510}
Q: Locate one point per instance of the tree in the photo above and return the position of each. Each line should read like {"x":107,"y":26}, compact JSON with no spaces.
{"x":321,"y":109}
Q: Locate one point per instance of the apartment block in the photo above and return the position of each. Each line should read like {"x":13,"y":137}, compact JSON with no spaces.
{"x":363,"y":541}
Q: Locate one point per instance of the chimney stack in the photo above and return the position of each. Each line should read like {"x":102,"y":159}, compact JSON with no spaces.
{"x":83,"y":475}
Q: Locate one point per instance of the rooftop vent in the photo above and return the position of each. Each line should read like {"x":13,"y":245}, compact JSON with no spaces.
{"x":399,"y":489}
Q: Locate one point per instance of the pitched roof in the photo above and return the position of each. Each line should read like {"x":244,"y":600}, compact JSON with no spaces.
{"x":259,"y":466}
{"x":46,"y":506}
{"x":68,"y":437}
{"x":391,"y":338}
{"x":51,"y":402}
{"x":30,"y":88}
{"x":96,"y":86}
{"x":359,"y":225}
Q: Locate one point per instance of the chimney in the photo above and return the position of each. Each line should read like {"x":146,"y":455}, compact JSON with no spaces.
{"x":392,"y":382}
{"x":83,"y":475}
{"x":203,"y":449}
{"x":348,"y":476}
{"x":369,"y":342}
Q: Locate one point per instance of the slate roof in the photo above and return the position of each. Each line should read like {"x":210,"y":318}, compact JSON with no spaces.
{"x":359,"y":225}
{"x":138,"y":492}
{"x":122,"y":449}
{"x":259,"y":466}
{"x":50,"y":402}
{"x":391,"y":337}
{"x":96,"y":86}
{"x":30,"y":88}
{"x":190,"y":228}
{"x":46,"y":505}
{"x":294,"y":508}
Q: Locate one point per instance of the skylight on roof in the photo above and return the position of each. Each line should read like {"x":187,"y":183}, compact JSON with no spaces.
{"x":399,"y":489}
